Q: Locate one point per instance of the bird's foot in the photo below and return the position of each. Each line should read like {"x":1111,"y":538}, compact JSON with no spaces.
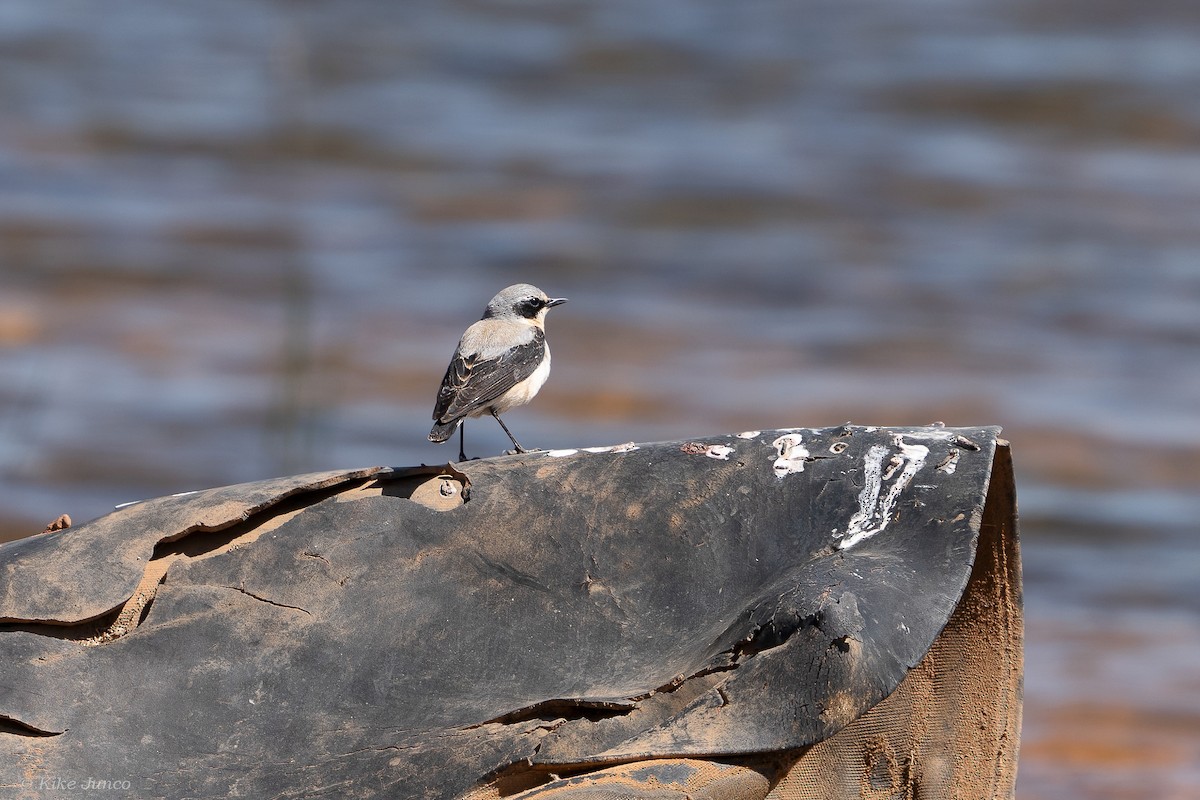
{"x":520,"y":450}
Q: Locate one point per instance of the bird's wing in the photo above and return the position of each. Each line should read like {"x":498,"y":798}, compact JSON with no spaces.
{"x":473,"y":381}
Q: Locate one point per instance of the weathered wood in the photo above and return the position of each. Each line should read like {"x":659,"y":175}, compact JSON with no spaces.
{"x":431,"y":632}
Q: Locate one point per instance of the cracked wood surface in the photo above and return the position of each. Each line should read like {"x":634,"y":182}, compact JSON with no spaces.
{"x":428,"y":632}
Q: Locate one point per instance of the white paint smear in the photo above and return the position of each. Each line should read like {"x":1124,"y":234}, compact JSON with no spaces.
{"x":129,"y":503}
{"x":875,"y":504}
{"x":615,"y":448}
{"x":949,"y":463}
{"x":748,"y":434}
{"x":792,"y":454}
{"x":718,"y":451}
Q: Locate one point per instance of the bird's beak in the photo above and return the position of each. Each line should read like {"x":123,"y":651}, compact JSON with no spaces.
{"x":555,"y":301}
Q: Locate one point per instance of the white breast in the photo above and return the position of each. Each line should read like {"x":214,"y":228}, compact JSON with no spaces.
{"x":524,"y":391}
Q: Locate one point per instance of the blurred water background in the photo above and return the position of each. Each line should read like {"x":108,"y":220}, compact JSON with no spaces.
{"x":240,"y":239}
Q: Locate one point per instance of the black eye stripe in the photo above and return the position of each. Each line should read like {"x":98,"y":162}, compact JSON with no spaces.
{"x":531,"y":306}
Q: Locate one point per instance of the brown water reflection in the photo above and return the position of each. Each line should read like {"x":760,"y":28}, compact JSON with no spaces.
{"x":239,"y":240}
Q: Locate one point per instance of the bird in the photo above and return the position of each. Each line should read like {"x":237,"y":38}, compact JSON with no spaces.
{"x":501,"y":362}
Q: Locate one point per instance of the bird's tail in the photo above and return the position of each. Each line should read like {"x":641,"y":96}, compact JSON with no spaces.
{"x":442,"y":430}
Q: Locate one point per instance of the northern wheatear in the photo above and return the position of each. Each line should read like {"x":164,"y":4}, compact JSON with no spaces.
{"x":501,"y":362}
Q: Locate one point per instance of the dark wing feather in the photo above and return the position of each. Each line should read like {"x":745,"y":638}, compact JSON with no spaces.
{"x":472,"y":383}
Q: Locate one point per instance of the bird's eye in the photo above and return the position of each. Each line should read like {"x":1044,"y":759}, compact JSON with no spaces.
{"x":536,"y":302}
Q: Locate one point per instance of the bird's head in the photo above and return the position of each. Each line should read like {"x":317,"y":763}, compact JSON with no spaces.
{"x":521,"y":301}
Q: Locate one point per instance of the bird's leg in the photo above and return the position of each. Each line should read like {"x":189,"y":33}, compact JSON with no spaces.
{"x":462,"y":454}
{"x":516,"y":444}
